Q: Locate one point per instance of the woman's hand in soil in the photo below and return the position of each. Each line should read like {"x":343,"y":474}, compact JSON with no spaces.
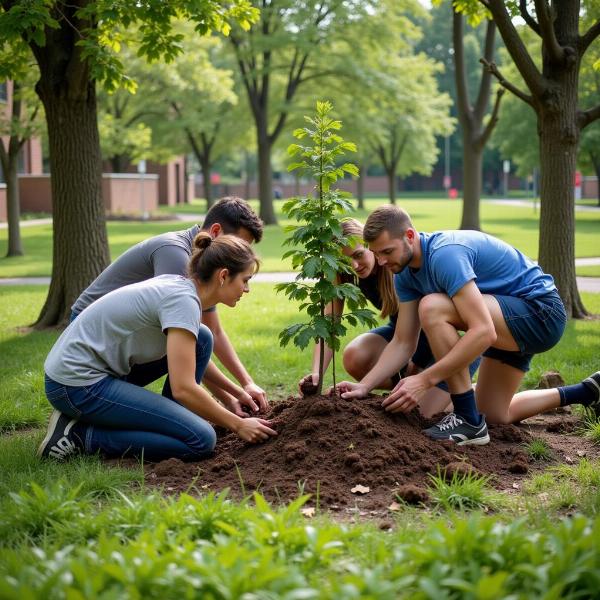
{"x":406,"y":395}
{"x":351,"y":389}
{"x":257,"y":394}
{"x":255,"y":430}
{"x":308,"y":384}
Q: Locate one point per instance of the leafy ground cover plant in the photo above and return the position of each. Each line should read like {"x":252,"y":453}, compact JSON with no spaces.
{"x":317,"y":241}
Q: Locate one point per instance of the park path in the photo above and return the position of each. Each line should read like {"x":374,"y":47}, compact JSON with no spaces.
{"x":586,"y":284}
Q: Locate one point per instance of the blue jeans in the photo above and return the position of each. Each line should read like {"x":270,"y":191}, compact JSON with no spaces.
{"x":117,"y":417}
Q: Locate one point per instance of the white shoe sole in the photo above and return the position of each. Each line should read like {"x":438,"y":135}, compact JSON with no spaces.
{"x":474,"y":442}
{"x":54,"y":417}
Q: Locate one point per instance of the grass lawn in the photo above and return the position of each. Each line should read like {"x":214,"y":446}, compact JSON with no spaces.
{"x":517,"y":225}
{"x":87,"y":529}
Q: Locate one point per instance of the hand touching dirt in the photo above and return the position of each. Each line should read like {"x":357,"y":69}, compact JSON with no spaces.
{"x":255,"y":430}
{"x":349,"y":389}
{"x":308,"y":384}
{"x":257,"y":394}
{"x":406,"y":395}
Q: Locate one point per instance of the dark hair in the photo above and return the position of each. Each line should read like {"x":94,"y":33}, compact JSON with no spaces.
{"x":224,"y":252}
{"x":388,"y":218}
{"x":233,"y":213}
{"x":385,"y":278}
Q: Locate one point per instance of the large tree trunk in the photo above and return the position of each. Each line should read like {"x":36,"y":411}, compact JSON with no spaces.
{"x":360,"y":186}
{"x":558,"y":152}
{"x":391,"y":175}
{"x":13,"y":206}
{"x":265,"y":176}
{"x":559,"y":132}
{"x":596,"y":162}
{"x":472,"y":165}
{"x":206,"y":183}
{"x":80,"y":243}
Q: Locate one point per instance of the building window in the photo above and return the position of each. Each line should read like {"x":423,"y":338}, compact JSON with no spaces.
{"x":3,"y":92}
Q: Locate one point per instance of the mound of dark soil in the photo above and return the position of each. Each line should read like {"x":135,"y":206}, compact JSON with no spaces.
{"x":328,"y":446}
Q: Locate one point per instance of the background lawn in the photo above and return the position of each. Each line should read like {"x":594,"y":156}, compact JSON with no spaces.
{"x":89,"y":529}
{"x":515,"y":224}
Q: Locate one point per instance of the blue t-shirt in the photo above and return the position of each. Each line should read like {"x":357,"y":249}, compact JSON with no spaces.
{"x":451,"y":259}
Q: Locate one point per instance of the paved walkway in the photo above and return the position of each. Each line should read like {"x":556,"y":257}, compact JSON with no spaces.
{"x":529,"y":203}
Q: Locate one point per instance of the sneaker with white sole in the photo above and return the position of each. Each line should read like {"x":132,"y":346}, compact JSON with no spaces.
{"x":454,"y":428}
{"x":60,"y":443}
{"x":593,"y":383}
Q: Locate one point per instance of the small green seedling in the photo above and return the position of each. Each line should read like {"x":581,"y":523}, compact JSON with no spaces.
{"x":318,"y":240}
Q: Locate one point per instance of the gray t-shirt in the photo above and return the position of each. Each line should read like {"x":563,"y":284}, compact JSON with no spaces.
{"x":124,"y":328}
{"x":165,"y":254}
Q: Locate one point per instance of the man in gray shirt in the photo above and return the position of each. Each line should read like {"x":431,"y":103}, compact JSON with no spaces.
{"x":169,"y":253}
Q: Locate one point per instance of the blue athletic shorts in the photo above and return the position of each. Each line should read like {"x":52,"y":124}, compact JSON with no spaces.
{"x":536,"y":325}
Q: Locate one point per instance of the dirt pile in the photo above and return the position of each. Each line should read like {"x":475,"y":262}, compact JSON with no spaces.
{"x":330,"y":445}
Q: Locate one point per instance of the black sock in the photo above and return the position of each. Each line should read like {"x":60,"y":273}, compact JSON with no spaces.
{"x":466,"y":407}
{"x":585,"y":393}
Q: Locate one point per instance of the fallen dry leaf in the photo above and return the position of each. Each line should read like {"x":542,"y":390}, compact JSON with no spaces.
{"x":516,"y":485}
{"x":581,"y":453}
{"x":569,"y":460}
{"x":309,"y":512}
{"x":360,"y":489}
{"x":394,"y":506}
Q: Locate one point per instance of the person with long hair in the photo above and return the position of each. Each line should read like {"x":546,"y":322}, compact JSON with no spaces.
{"x":169,"y":254}
{"x":363,"y":352}
{"x":97,"y":410}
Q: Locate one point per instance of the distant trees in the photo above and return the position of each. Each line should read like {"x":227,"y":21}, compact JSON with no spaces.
{"x":22,"y":121}
{"x":76,"y":47}
{"x":551,"y":89}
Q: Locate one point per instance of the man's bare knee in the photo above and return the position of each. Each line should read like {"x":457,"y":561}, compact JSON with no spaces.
{"x":434,"y":308}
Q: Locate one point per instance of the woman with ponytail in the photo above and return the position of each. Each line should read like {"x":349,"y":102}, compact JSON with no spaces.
{"x":98,"y":410}
{"x":362,"y":353}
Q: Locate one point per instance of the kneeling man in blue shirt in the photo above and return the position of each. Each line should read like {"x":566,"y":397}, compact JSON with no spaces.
{"x":473,"y":295}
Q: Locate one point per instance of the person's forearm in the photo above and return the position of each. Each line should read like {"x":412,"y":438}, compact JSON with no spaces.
{"x":471,"y":345}
{"x":219,"y":393}
{"x":392,"y":359}
{"x":201,"y":403}
{"x":226,"y":353}
{"x":214,"y":378}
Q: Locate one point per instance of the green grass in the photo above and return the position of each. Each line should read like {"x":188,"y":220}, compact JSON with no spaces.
{"x":462,"y":492}
{"x":91,"y":529}
{"x":589,"y":271}
{"x":516,"y":225}
{"x":591,"y":426}
{"x":538,"y":449}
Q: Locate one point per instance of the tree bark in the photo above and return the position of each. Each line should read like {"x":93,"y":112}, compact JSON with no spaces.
{"x":474,"y":134}
{"x":80,"y":243}
{"x":472,"y":165}
{"x":360,"y":186}
{"x":595,"y":159}
{"x":265,"y":175}
{"x":206,"y":183}
{"x":558,"y":154}
{"x":391,"y":174}
{"x":13,"y":205}
{"x":554,"y":96}
{"x":559,"y":139}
